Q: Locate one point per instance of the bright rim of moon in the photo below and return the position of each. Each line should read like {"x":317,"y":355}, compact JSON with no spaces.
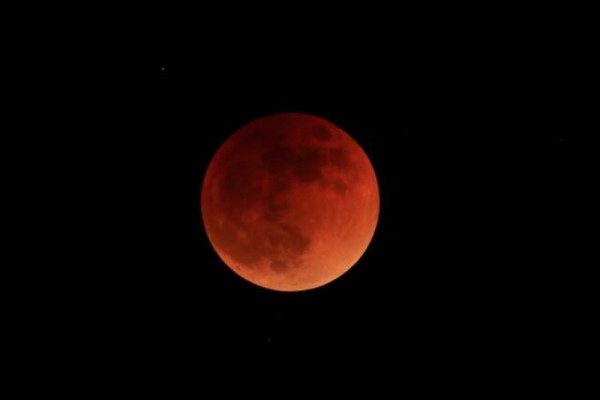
{"x":290,"y":202}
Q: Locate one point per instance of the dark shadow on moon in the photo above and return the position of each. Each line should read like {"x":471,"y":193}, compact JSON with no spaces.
{"x":339,"y":186}
{"x":322,"y":133}
{"x":279,"y":266}
{"x":261,"y":185}
{"x":305,"y":164}
{"x":282,"y":242}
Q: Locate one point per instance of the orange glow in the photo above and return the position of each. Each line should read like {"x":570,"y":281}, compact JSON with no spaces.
{"x":290,"y":202}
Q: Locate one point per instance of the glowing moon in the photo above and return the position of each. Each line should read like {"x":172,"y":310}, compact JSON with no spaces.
{"x":290,"y":202}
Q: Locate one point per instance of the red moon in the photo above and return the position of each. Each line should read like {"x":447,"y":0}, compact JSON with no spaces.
{"x":290,"y":202}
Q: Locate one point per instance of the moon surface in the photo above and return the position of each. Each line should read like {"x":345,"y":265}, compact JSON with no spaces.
{"x":290,"y":202}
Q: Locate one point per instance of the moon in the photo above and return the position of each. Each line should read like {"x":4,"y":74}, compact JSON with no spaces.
{"x":290,"y":202}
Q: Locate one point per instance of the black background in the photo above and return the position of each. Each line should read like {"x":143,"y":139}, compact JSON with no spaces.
{"x":469,"y":138}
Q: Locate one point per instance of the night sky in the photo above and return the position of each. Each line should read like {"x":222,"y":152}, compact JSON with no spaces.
{"x":474,"y":166}
{"x":460,"y":174}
